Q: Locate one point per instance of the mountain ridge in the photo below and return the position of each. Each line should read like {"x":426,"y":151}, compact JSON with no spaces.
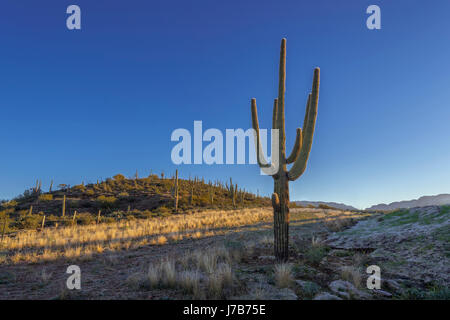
{"x":436,"y":200}
{"x":336,"y":205}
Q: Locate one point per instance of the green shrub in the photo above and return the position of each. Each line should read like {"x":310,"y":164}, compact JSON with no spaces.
{"x":85,"y":218}
{"x":46,"y":197}
{"x":123,"y":195}
{"x":324,"y":206}
{"x":79,"y":187}
{"x":315,"y":254}
{"x":119,"y":177}
{"x":106,"y":201}
{"x":10,"y":204}
{"x":29,"y":222}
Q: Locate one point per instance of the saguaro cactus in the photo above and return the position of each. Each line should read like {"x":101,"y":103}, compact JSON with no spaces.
{"x":64,"y":206}
{"x":191,"y":197}
{"x":299,"y":155}
{"x":175,"y":191}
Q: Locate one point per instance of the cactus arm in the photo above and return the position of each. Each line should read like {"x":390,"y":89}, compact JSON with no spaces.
{"x":305,"y":121}
{"x":299,"y":138}
{"x":259,"y":153}
{"x":297,"y":147}
{"x":280,"y":111}
{"x":274,"y":116}
{"x":300,"y":164}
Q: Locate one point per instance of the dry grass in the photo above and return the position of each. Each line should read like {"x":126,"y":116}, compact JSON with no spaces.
{"x":338,"y":224}
{"x":189,"y":281}
{"x":283,"y":275}
{"x":73,"y":242}
{"x":203,"y":273}
{"x":352,"y":275}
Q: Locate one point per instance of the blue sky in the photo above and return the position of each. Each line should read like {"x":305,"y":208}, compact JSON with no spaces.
{"x":87,"y":104}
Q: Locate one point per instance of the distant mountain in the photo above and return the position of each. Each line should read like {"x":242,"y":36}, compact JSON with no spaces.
{"x":331,"y":204}
{"x":439,"y":200}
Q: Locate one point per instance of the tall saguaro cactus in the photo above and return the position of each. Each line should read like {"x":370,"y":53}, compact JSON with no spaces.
{"x":298,"y":157}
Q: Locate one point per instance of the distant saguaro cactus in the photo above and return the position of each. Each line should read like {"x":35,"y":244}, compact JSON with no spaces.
{"x":64,"y":206}
{"x":175,"y":191}
{"x":191,"y":198}
{"x":299,"y":155}
{"x":211,"y":195}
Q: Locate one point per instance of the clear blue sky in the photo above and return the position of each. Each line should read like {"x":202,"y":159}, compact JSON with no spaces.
{"x":82,"y":105}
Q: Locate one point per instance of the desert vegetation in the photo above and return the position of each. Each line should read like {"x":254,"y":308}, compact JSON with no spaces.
{"x":120,"y":199}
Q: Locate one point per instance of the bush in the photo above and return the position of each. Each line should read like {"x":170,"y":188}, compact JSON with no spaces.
{"x":89,"y":192}
{"x":85,"y":218}
{"x":124,"y":194}
{"x":324,"y":206}
{"x":46,"y":197}
{"x":119,"y":177}
{"x":106,"y":201}
{"x":163,"y":211}
{"x":10,"y":204}
{"x":29,"y":222}
{"x":79,"y":187}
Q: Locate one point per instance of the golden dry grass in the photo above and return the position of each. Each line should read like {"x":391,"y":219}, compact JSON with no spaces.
{"x":77,"y":241}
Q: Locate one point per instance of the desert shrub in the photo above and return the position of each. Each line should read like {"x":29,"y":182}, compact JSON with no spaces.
{"x":5,"y":221}
{"x":336,"y":225}
{"x":123,"y":194}
{"x":85,"y":218}
{"x":413,"y":294}
{"x":89,"y":192}
{"x":10,"y":204}
{"x":107,"y":220}
{"x":315,"y":254}
{"x":29,"y":222}
{"x":79,"y":187}
{"x":46,"y":197}
{"x":439,"y":293}
{"x":119,"y":177}
{"x":142,"y":214}
{"x":324,"y":206}
{"x":164,"y":211}
{"x":203,"y":200}
{"x":309,"y":289}
{"x":106,"y":201}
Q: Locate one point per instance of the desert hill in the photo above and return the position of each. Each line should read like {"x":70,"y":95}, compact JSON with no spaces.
{"x":119,"y":198}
